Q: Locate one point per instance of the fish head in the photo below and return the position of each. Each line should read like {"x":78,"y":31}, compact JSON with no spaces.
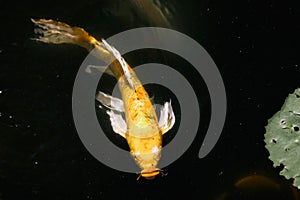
{"x":148,"y":162}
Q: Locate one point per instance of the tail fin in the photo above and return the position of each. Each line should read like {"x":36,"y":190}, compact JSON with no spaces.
{"x":58,"y":32}
{"x":55,"y":32}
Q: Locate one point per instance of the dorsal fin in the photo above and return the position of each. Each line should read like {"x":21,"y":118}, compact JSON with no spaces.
{"x":121,"y":60}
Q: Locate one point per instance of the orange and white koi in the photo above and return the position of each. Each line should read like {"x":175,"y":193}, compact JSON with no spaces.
{"x":142,"y":129}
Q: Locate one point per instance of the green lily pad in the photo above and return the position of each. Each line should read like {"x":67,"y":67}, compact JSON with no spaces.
{"x":282,"y":138}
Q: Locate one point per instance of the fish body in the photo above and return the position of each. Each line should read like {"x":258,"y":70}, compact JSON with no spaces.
{"x":141,"y":127}
{"x":143,"y":133}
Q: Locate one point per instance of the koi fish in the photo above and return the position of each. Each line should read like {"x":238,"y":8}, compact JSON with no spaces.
{"x":151,"y":12}
{"x":141,"y":127}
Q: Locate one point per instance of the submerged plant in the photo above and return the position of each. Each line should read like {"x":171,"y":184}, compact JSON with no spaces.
{"x":282,"y":138}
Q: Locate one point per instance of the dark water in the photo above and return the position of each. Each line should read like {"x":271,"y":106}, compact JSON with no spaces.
{"x":255,"y":46}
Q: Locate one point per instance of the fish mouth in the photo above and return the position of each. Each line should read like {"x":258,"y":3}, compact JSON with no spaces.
{"x":150,"y":174}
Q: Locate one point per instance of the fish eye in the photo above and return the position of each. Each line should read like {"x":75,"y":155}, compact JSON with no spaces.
{"x":136,"y":158}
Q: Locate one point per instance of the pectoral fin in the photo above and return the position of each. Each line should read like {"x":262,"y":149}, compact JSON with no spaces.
{"x":110,"y":102}
{"x":118,"y":123}
{"x":167,"y":117}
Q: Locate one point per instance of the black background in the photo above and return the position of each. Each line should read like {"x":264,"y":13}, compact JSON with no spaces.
{"x":255,"y":45}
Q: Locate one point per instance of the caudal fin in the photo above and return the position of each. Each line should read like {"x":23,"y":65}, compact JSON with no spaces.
{"x":55,"y":32}
{"x":51,"y":31}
